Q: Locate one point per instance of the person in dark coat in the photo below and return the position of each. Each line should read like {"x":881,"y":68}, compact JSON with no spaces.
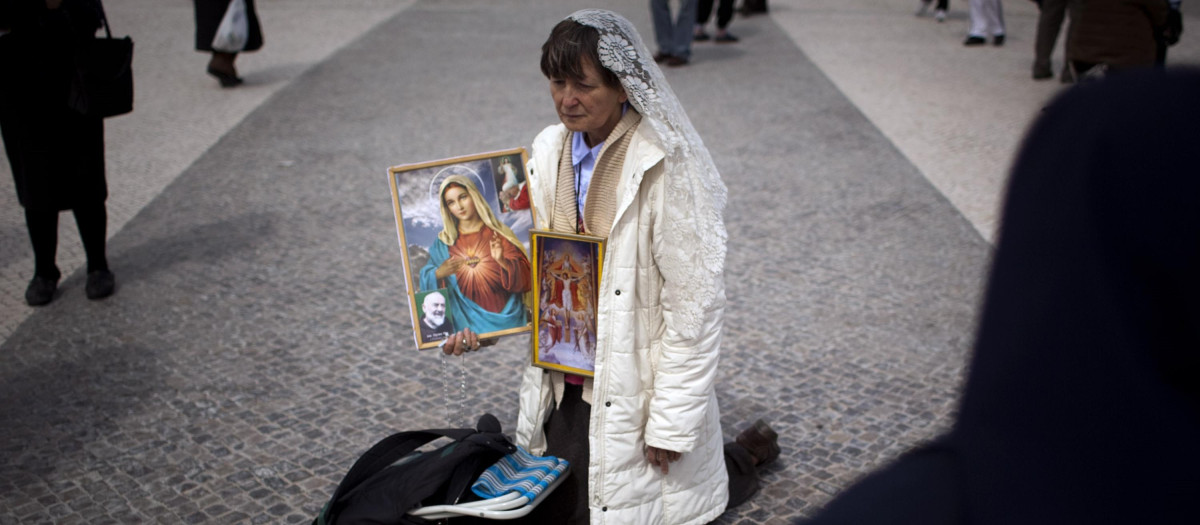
{"x":1083,"y":400}
{"x":208,"y":18}
{"x":56,"y":154}
{"x":1114,"y":35}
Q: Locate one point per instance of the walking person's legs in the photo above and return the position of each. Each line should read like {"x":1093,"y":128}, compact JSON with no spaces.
{"x":978,"y":31}
{"x":43,"y":235}
{"x":660,"y":13}
{"x":1050,"y":19}
{"x":92,"y":221}
{"x":682,"y":33}
{"x":703,"y":12}
{"x":994,"y":14}
{"x":724,"y":15}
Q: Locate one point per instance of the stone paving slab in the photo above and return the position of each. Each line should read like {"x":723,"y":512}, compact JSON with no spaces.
{"x":260,"y":340}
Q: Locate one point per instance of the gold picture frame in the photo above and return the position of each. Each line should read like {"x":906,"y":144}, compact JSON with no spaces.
{"x":490,"y":201}
{"x":566,"y":280}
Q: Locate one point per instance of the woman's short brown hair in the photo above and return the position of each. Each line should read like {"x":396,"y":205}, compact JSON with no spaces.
{"x":569,"y":45}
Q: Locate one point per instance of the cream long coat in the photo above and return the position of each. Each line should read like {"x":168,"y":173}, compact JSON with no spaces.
{"x":652,"y":386}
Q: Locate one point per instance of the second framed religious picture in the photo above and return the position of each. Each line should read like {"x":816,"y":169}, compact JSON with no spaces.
{"x":464,"y":239}
{"x":566,"y":275}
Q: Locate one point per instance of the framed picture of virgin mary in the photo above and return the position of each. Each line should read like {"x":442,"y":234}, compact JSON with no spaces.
{"x":463,"y":225}
{"x":566,"y":279}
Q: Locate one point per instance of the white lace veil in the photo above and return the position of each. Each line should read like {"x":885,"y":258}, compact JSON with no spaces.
{"x":695,"y":195}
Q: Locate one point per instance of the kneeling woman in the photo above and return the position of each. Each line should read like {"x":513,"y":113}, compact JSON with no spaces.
{"x":644,"y":435}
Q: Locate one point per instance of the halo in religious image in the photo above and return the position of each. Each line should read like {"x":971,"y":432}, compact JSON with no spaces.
{"x":463,"y":224}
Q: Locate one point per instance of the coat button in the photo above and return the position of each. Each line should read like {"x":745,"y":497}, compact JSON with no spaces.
{"x":604,"y":509}
{"x":608,"y":403}
{"x":618,"y":292}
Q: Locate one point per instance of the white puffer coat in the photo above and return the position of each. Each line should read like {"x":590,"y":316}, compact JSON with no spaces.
{"x":652,"y":386}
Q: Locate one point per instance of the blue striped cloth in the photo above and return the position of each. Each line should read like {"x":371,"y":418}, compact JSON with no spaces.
{"x":521,"y":472}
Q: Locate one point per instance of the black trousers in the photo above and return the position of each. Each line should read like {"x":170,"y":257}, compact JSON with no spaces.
{"x":92,"y":221}
{"x":724,"y":12}
{"x":567,"y":438}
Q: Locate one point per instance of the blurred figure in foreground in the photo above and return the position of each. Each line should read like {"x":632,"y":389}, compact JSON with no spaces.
{"x":1083,"y":400}
{"x":1171,"y":32}
{"x":56,"y":153}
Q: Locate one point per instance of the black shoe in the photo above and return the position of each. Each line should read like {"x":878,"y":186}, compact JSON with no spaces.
{"x":974,"y":41}
{"x":998,"y":40}
{"x":41,"y":291}
{"x":226,"y":79}
{"x":726,"y":38}
{"x":100,"y":284}
{"x":677,"y":61}
{"x":661,"y":57}
{"x":1042,"y":73}
{"x":762,"y":442}
{"x":700,"y":37}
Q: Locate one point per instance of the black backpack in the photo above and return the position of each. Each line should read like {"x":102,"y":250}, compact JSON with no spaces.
{"x":390,"y":479}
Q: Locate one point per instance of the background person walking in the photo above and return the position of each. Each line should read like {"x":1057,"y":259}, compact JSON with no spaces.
{"x":208,"y":18}
{"x":724,"y":15}
{"x":56,"y":153}
{"x":987,"y":18}
{"x":673,"y":36}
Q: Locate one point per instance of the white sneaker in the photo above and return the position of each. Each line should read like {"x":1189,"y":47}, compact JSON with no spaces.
{"x":940,"y":15}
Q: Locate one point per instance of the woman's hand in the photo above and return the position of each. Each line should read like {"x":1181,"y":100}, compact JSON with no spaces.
{"x":464,"y":341}
{"x":661,"y":458}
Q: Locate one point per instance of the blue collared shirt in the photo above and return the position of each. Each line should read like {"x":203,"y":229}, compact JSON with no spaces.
{"x":583,"y":159}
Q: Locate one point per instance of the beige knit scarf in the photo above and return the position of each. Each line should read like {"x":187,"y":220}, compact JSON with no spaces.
{"x":601,"y":206}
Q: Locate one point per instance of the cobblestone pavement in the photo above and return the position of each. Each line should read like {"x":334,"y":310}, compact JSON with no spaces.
{"x":179,"y":112}
{"x":259,"y":341}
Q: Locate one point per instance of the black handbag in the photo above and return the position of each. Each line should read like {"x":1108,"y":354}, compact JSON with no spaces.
{"x":102,"y":85}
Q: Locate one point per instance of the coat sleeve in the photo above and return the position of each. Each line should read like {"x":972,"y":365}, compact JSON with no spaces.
{"x":1157,"y":11}
{"x":687,"y":355}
